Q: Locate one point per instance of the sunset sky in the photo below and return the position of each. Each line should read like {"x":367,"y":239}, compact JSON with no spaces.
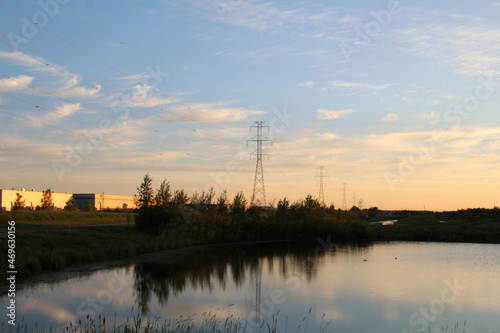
{"x":399,"y":100}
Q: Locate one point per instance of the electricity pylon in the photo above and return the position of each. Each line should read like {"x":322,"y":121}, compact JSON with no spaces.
{"x":321,"y":176}
{"x":344,"y":197}
{"x":259,"y":190}
{"x":361,"y":204}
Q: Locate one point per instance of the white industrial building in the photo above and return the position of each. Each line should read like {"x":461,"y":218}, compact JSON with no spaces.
{"x":98,"y":201}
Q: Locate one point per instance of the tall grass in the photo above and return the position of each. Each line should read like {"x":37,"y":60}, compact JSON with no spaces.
{"x":206,"y":323}
{"x":42,"y":250}
{"x":47,"y":216}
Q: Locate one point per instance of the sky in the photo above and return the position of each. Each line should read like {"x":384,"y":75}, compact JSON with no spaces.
{"x":396,"y":100}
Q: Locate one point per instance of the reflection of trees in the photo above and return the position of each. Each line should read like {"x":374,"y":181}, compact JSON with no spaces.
{"x":203,"y":268}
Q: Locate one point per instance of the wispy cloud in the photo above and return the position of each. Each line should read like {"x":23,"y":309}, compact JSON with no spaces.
{"x":307,"y":84}
{"x":143,"y":95}
{"x":63,"y":84}
{"x":70,"y":88}
{"x":466,"y":45}
{"x":134,"y":78}
{"x":431,"y":116}
{"x":23,"y":59}
{"x":344,"y":84}
{"x":59,"y":112}
{"x":209,"y":112}
{"x":324,"y":114}
{"x":17,"y":83}
{"x":391,"y":117}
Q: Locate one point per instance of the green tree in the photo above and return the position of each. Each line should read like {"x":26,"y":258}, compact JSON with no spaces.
{"x":88,"y":206}
{"x":311,"y":204}
{"x":180,"y":198}
{"x":19,"y":204}
{"x":145,"y":197}
{"x":282,"y":209}
{"x":164,"y":195}
{"x":71,"y":204}
{"x":222,"y":203}
{"x":46,"y":201}
{"x":207,"y":197}
{"x":239,"y":207}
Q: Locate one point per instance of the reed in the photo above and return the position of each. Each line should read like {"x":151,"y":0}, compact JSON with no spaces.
{"x":205,"y":323}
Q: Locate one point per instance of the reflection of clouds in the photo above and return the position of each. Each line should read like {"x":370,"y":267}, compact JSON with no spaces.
{"x":391,"y":313}
{"x":53,"y":311}
{"x":416,"y":278}
{"x":50,"y":305}
{"x":332,"y":313}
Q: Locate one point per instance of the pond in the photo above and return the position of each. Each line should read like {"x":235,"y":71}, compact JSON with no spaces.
{"x":322,"y":287}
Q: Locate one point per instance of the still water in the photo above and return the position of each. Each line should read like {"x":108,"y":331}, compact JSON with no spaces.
{"x":383,"y":287}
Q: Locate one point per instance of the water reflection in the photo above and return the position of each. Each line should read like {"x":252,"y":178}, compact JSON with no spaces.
{"x":356,"y":288}
{"x":206,"y":270}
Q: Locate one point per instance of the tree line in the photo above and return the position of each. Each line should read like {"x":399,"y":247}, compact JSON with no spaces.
{"x":207,"y":218}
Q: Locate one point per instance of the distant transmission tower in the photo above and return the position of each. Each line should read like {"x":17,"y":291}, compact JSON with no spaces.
{"x":354,"y":199}
{"x":321,"y":176}
{"x":259,"y":191}
{"x":344,"y":196}
{"x":361,"y":204}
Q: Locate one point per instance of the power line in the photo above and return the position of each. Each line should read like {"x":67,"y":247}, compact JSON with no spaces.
{"x":20,"y":13}
{"x":99,"y":128}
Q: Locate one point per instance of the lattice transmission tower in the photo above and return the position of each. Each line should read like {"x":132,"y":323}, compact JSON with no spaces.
{"x":361,"y":204}
{"x":259,"y":190}
{"x":321,"y":176}
{"x":344,"y":196}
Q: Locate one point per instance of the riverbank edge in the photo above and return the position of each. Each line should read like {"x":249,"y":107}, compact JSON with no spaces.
{"x":145,"y":244}
{"x":79,"y":271}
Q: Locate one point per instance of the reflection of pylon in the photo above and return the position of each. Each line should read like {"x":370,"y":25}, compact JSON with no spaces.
{"x":321,"y":176}
{"x":259,"y":191}
{"x":344,"y":197}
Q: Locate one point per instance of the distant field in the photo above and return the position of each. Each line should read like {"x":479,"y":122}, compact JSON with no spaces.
{"x":24,"y":219}
{"x":432,"y":229}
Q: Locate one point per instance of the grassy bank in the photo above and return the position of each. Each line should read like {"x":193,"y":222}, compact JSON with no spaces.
{"x":64,"y":218}
{"x":49,"y":249}
{"x":431,"y":228}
